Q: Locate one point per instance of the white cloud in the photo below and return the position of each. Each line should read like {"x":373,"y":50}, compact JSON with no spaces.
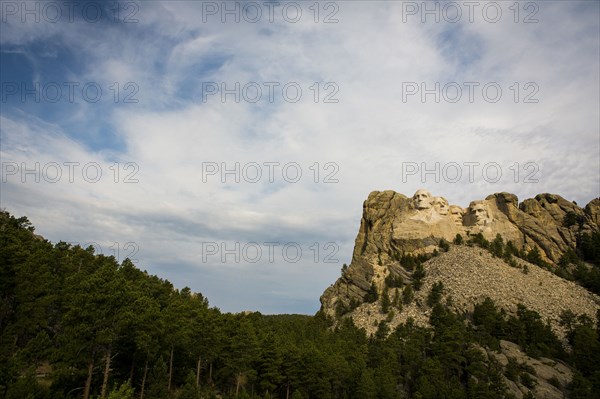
{"x":368,"y":134}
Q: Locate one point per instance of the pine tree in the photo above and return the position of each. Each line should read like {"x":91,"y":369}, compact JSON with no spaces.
{"x":366,"y":387}
{"x":435,"y":294}
{"x":124,"y":391}
{"x":372,"y":294}
{"x":385,"y":300}
{"x":458,"y":240}
{"x":407,"y":294}
{"x":418,"y":276}
{"x":269,"y":364}
{"x":497,"y":246}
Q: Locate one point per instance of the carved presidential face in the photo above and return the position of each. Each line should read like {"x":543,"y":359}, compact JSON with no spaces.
{"x":480,"y":213}
{"x":456,"y":213}
{"x":422,"y":199}
{"x":440,"y":204}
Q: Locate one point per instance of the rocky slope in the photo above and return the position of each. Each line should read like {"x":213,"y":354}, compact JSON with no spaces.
{"x":470,"y":274}
{"x":394,"y":225}
{"x":550,"y":377}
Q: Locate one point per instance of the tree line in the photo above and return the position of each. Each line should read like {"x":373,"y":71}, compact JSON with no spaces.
{"x":74,"y":324}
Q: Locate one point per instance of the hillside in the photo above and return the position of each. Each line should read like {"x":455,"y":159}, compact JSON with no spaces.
{"x":499,"y":264}
{"x":469,"y":274}
{"x":75,"y":324}
{"x":398,"y":234}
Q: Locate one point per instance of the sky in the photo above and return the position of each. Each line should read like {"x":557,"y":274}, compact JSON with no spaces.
{"x":228,"y":146}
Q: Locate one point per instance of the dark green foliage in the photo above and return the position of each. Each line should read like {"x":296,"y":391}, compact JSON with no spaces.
{"x":418,"y":276}
{"x":409,"y":262}
{"x":458,"y":240}
{"x":589,"y":277}
{"x":555,"y":382}
{"x":511,"y":249}
{"x":444,"y":245}
{"x":435,"y":295}
{"x":527,"y":380}
{"x":407,"y":295}
{"x":526,"y":329}
{"x":534,"y":336}
{"x":585,"y":356}
{"x":582,"y":388}
{"x":572,"y":267}
{"x":125,"y":391}
{"x":372,"y":294}
{"x":392,"y":281}
{"x":510,"y":260}
{"x":67,"y":309}
{"x":534,"y":256}
{"x":344,"y":269}
{"x":157,"y":381}
{"x":497,"y":246}
{"x":26,"y":387}
{"x":490,"y":323}
{"x":568,"y":319}
{"x":512,"y":370}
{"x":572,"y":219}
{"x":568,"y":258}
{"x":479,"y":240}
{"x":390,"y":316}
{"x":366,"y":387}
{"x":340,"y":308}
{"x":385,"y":301}
{"x":589,"y":246}
{"x":382,"y":331}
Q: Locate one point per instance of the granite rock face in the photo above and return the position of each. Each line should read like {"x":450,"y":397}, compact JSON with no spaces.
{"x":393,"y":225}
{"x":550,"y":377}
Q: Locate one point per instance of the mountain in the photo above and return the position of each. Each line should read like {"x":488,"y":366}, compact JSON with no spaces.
{"x":531,"y":260}
{"x":408,"y":244}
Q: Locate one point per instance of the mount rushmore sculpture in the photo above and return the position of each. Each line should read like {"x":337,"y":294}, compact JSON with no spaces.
{"x":416,"y":224}
{"x":430,"y":210}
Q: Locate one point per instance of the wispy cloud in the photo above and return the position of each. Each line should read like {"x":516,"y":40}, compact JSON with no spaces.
{"x":171,"y":60}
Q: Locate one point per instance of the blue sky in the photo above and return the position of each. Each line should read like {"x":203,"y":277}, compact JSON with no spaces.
{"x":139,"y":96}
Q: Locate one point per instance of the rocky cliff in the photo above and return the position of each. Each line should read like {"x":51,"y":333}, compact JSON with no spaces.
{"x":407,"y":246}
{"x":395,"y":226}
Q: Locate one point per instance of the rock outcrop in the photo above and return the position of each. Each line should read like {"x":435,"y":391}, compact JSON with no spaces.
{"x":469,"y":275}
{"x":394,"y":225}
{"x":549,"y":377}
